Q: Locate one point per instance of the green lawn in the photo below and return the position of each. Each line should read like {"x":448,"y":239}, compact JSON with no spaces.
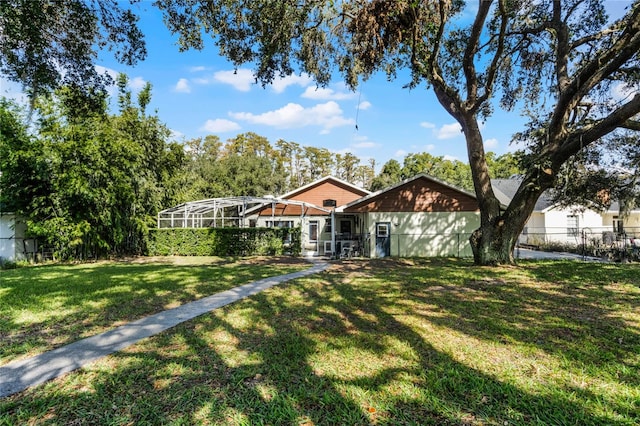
{"x":379,"y":342}
{"x":47,"y":306}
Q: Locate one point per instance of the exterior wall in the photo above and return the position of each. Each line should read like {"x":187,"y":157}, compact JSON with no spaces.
{"x":327,"y":190}
{"x":631,"y":223}
{"x":552,"y":226}
{"x":11,"y":237}
{"x":424,"y":234}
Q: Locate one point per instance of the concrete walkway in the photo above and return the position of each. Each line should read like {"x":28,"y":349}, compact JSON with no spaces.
{"x":18,"y":375}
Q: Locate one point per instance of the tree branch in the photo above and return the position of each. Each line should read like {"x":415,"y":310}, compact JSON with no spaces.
{"x":631,"y":125}
{"x":604,"y":64}
{"x":621,"y":117}
{"x":468,"y":64}
{"x":493,"y":68}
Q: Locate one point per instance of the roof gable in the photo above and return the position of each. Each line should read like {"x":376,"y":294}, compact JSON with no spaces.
{"x":422,"y":193}
{"x":327,"y":188}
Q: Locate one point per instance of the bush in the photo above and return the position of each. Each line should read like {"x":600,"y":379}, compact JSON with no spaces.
{"x":222,"y":241}
{"x":7,"y":264}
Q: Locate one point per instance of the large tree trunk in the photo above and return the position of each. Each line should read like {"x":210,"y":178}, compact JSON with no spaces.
{"x":494,"y":242}
{"x":500,"y":226}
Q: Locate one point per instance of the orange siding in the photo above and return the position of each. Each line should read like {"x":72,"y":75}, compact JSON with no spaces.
{"x":325,"y":190}
{"x":328,"y":190}
{"x":419,"y":195}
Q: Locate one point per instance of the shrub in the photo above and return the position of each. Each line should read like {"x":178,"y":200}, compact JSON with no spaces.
{"x":222,"y":241}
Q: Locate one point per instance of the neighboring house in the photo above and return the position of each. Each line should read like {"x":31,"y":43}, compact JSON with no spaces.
{"x":629,"y":223}
{"x":551,"y":223}
{"x":12,"y":242}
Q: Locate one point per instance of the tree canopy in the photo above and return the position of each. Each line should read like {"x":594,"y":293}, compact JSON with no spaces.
{"x":45,"y":44}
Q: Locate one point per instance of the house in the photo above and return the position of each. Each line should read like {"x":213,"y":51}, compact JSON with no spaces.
{"x":419,"y":217}
{"x":550,"y":223}
{"x":630,"y":223}
{"x":323,"y":232}
{"x":13,"y":245}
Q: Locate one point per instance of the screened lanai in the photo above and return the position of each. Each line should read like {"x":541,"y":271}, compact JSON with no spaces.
{"x":223,"y":212}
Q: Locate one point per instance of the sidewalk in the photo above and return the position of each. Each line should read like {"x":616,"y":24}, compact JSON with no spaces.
{"x":19,"y":375}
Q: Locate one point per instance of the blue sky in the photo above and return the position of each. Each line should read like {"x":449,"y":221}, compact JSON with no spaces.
{"x":197,"y":93}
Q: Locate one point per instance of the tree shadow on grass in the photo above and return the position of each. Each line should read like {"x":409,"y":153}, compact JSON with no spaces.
{"x":77,"y":301}
{"x":329,"y":349}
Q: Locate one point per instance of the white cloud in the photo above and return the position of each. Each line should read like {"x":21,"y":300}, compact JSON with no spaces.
{"x":197,"y":68}
{"x":623,"y":92}
{"x":427,"y":125}
{"x":109,"y":71}
{"x":491,"y":143}
{"x":241,"y":79}
{"x":175,"y":135}
{"x":364,"y":105}
{"x":201,"y":80}
{"x":279,"y":85}
{"x":449,"y":131}
{"x":430,"y":147}
{"x":137,"y":83}
{"x":220,"y":125}
{"x":324,"y":93}
{"x":400,"y":153}
{"x":327,"y":115}
{"x":367,"y":144}
{"x":182,"y":86}
{"x":450,"y":158}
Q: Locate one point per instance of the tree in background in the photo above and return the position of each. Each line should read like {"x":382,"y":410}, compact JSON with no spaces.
{"x":89,"y":183}
{"x":559,"y":60}
{"x":390,"y":174}
{"x":454,"y":172}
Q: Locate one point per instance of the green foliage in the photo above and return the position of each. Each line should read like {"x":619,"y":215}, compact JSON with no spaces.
{"x":223,"y":241}
{"x":47,"y":43}
{"x":89,"y":183}
{"x":454,"y":172}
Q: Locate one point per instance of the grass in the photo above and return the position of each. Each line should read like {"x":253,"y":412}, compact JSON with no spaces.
{"x":47,"y":306}
{"x":380,"y":342}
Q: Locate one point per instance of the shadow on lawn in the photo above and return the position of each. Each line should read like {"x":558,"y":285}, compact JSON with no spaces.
{"x":567,"y":309}
{"x":76,"y":301}
{"x":330,"y":349}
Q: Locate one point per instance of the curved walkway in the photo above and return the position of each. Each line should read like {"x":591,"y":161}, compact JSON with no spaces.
{"x":19,"y":375}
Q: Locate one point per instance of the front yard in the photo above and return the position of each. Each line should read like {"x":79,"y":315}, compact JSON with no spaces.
{"x":367,"y":342}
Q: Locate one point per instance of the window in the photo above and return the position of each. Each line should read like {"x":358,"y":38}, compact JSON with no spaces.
{"x":345,"y":228}
{"x":572,"y":226}
{"x":313,"y":230}
{"x":327,"y":226}
{"x":382,"y":230}
{"x":279,"y":224}
{"x":618,"y":226}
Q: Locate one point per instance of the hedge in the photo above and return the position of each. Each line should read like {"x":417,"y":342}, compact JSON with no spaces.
{"x":223,"y":241}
